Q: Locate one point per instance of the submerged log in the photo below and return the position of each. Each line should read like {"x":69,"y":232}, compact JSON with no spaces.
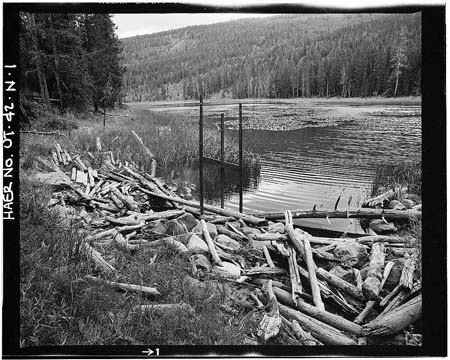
{"x":372,"y":285}
{"x":127,"y":287}
{"x":247,"y":218}
{"x":397,"y":319}
{"x":321,"y":331}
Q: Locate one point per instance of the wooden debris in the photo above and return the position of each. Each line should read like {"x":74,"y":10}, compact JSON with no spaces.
{"x":371,"y":303}
{"x":294,"y":274}
{"x":264,"y":271}
{"x":248,"y":218}
{"x":397,"y":319}
{"x":326,"y":334}
{"x":305,"y":338}
{"x":334,"y":320}
{"x":268,"y":258}
{"x":98,"y":259}
{"x":271,"y":322}
{"x":148,"y":153}
{"x":341,"y":284}
{"x":372,"y":285}
{"x":212,"y":249}
{"x":127,"y":287}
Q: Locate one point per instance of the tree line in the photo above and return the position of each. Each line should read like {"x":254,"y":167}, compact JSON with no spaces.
{"x":287,"y":56}
{"x":71,"y":60}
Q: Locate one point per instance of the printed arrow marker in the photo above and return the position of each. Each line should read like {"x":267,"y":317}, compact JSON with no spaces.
{"x":148,"y":352}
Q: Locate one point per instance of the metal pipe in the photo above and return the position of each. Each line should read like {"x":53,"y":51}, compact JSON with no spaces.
{"x":200,"y":155}
{"x":222,"y":157}
{"x":241,"y":173}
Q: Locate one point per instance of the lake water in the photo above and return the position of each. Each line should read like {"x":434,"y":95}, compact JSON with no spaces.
{"x":314,"y":166}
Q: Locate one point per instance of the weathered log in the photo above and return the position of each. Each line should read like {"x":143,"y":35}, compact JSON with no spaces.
{"x":212,"y":249}
{"x":221,"y":219}
{"x":261,"y":282}
{"x":395,"y":302}
{"x":148,"y":153}
{"x":98,"y":259}
{"x":248,"y":218}
{"x":305,"y":338}
{"x":336,"y":321}
{"x":34,"y":132}
{"x":321,"y":331}
{"x":127,"y":287}
{"x":73,"y":175}
{"x":268,"y":258}
{"x":343,"y":214}
{"x":341,"y":284}
{"x":296,"y":284}
{"x":122,"y":242}
{"x":407,"y":276}
{"x":223,"y":230}
{"x":130,"y":227}
{"x":170,"y":241}
{"x":123,"y":221}
{"x":391,"y":295}
{"x":312,"y":275}
{"x":79,"y":163}
{"x":397,"y":319}
{"x":98,"y":144}
{"x":164,"y":309}
{"x":55,"y":157}
{"x":69,"y":158}
{"x":293,"y":236}
{"x":371,"y":303}
{"x":380,"y":199}
{"x":271,"y":322}
{"x":100,"y":235}
{"x":107,"y":207}
{"x":237,"y":231}
{"x":129,"y":203}
{"x":372,"y":285}
{"x":264,"y":271}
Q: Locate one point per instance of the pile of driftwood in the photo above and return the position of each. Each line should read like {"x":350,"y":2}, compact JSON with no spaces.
{"x":321,"y":290}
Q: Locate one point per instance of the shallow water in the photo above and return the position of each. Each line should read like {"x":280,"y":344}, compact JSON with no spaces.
{"x":317,"y":165}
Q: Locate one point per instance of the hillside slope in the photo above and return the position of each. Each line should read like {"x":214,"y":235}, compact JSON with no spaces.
{"x":278,"y":57}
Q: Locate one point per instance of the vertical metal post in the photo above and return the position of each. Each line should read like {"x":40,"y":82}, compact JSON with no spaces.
{"x":200,"y":155}
{"x":104,"y":114}
{"x":222,"y":157}
{"x":241,"y":173}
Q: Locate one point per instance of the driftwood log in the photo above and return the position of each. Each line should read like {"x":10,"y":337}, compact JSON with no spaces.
{"x":271,"y":322}
{"x":372,"y":285}
{"x":98,"y":259}
{"x":341,"y":284}
{"x":343,"y":214}
{"x":304,"y":338}
{"x":371,"y":303}
{"x":397,"y":319}
{"x":247,"y":218}
{"x":123,"y":286}
{"x":336,"y":321}
{"x":321,"y":331}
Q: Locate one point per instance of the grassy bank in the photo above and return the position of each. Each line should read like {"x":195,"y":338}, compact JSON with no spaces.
{"x":406,"y":175}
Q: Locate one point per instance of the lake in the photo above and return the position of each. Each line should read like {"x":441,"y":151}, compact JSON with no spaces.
{"x":315,"y":164}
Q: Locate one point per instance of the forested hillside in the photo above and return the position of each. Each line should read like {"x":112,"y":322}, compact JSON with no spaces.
{"x":278,"y":57}
{"x":70,"y":59}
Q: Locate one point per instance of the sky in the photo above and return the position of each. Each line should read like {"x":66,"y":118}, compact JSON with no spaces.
{"x":140,"y":24}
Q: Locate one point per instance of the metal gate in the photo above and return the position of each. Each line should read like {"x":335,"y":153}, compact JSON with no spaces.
{"x":220,"y":162}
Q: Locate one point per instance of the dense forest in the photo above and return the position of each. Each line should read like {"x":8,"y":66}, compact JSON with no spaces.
{"x":278,"y":57}
{"x":70,"y":60}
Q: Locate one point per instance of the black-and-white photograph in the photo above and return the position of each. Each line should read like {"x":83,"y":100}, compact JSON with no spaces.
{"x":202,"y":177}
